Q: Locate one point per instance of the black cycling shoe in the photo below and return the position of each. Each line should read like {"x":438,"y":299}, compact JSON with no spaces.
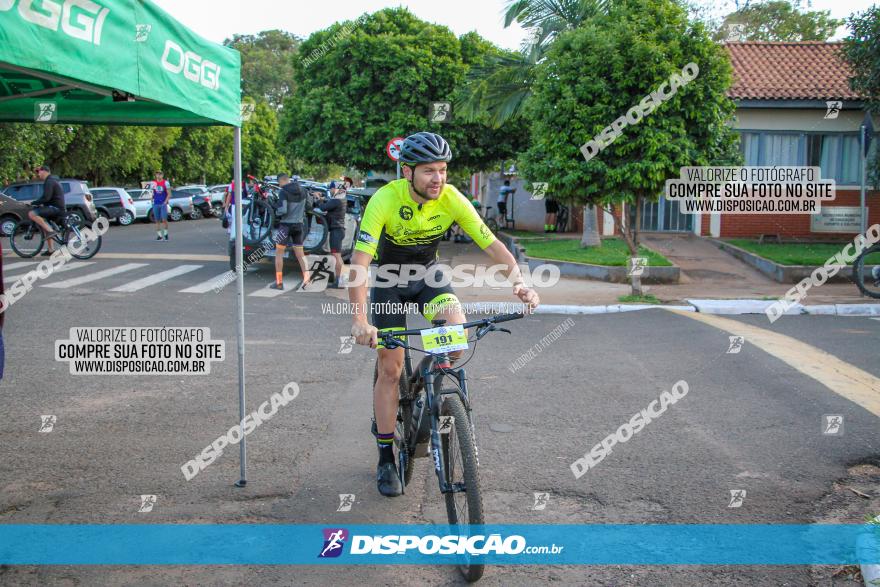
{"x":387,"y":480}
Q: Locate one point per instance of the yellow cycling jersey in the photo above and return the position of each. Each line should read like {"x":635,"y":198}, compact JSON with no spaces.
{"x":397,"y":230}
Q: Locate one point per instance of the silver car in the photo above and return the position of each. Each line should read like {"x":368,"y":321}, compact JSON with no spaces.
{"x":143,"y":204}
{"x":179,"y":205}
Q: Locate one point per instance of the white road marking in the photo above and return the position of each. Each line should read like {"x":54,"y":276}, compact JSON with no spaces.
{"x":96,"y":276}
{"x":844,"y":379}
{"x":62,"y":269}
{"x":211,"y":284}
{"x":12,"y":266}
{"x":140,"y":284}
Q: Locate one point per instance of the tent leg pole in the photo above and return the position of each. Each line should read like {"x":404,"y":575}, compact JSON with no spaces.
{"x":239,"y":270}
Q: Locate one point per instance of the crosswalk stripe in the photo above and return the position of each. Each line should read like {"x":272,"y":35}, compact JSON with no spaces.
{"x":272,"y":293}
{"x":224,"y":278}
{"x":140,"y":284}
{"x":18,"y":265}
{"x":96,"y":276}
{"x":67,"y":267}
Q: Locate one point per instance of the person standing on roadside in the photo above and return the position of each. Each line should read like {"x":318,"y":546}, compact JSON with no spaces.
{"x":335,"y":207}
{"x":291,"y":231}
{"x":229,"y":206}
{"x":551,"y":209}
{"x":161,"y":195}
{"x":503,"y":194}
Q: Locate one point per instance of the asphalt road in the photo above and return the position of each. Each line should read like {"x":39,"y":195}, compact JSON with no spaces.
{"x":751,"y":421}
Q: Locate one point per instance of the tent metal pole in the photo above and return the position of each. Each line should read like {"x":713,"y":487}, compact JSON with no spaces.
{"x":239,"y":270}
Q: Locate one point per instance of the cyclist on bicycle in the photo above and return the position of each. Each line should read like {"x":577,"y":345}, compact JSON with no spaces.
{"x":50,"y":206}
{"x":402,"y":226}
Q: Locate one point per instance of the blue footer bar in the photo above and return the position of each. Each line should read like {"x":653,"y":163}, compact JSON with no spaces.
{"x":232,"y":544}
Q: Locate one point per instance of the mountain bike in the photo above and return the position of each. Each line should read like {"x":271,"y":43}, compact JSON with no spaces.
{"x":434,"y":409}
{"x":27,"y":239}
{"x":258,"y":215}
{"x":489,"y":220}
{"x":868,"y":280}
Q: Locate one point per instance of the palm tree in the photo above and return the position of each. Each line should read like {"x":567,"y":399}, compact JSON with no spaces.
{"x":499,"y":88}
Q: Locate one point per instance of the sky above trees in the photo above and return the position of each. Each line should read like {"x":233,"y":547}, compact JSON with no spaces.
{"x":217,"y":20}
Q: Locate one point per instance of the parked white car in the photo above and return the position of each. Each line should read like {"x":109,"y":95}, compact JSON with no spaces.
{"x":143,"y":204}
{"x":128,"y":213}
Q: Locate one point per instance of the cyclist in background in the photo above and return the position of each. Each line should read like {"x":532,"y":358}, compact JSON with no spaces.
{"x":49,"y":206}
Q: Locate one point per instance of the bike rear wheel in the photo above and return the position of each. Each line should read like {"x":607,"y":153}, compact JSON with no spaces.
{"x":26,"y":239}
{"x":492,"y":225}
{"x":79,"y":247}
{"x":257,"y":220}
{"x":460,"y":462}
{"x":868,"y":281}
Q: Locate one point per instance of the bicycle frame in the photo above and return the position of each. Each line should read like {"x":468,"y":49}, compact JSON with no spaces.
{"x":430,"y":374}
{"x":426,"y":380}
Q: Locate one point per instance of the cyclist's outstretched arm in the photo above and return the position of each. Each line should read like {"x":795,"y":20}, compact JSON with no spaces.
{"x":501,"y":256}
{"x":361,"y":329}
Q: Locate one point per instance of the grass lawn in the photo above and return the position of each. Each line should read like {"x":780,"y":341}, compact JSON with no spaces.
{"x":613,"y":252}
{"x":643,"y":299}
{"x":795,"y":253}
{"x":522,"y":233}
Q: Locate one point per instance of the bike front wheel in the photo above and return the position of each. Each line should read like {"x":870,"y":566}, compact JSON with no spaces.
{"x":26,"y":239}
{"x":80,"y":247}
{"x":868,"y":278}
{"x":460,"y":461}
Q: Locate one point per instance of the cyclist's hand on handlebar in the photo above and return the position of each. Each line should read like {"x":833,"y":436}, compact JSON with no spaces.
{"x":365,"y":334}
{"x":527,"y":296}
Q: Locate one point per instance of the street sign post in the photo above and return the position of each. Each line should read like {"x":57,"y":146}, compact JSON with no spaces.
{"x":392,"y":149}
{"x":866,"y":135}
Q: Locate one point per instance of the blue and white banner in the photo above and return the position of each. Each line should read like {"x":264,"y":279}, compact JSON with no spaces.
{"x":214,"y":544}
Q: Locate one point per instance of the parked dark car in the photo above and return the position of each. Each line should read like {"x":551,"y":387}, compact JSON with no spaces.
{"x":114,"y":204}
{"x":11,"y":211}
{"x":202,"y":206}
{"x":77,"y":197}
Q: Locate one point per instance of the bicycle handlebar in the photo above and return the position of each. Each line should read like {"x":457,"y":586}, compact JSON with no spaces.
{"x":385,"y":336}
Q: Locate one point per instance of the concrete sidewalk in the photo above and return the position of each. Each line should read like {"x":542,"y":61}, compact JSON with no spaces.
{"x":707,"y":273}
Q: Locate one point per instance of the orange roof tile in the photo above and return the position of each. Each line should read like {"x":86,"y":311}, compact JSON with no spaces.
{"x":807,"y":70}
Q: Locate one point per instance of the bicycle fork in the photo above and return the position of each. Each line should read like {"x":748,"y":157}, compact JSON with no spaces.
{"x":433,"y":408}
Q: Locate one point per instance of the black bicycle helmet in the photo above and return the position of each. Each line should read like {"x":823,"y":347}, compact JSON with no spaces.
{"x":424,"y":147}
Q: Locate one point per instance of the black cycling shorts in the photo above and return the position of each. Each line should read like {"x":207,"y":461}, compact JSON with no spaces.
{"x":337,"y":235}
{"x":290,"y":234}
{"x":502,"y":208}
{"x":48,"y":212}
{"x":551,"y":206}
{"x":390,"y":305}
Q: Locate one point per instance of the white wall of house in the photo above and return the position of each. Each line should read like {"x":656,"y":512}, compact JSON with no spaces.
{"x":796,"y":119}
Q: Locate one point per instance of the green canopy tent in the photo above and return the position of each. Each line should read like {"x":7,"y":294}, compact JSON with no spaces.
{"x":123,"y":62}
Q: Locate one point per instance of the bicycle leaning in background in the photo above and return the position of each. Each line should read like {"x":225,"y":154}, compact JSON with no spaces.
{"x":866,"y":271}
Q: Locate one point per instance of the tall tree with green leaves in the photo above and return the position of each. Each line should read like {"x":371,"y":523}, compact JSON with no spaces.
{"x":266,"y":64}
{"x":597,"y":73}
{"x":112,"y":154}
{"x":260,"y":152}
{"x":862,"y":50}
{"x":779,"y":20}
{"x":200,"y":155}
{"x":365,"y":82}
{"x":27,"y":145}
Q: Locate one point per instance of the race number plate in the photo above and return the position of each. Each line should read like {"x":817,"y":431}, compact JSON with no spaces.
{"x":444,"y":339}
